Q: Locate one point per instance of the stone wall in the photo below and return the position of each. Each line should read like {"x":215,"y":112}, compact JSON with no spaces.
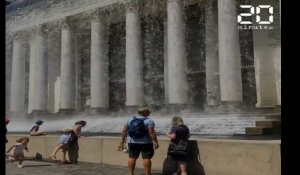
{"x":207,"y":156}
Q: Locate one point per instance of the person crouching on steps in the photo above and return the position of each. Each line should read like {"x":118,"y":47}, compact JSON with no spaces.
{"x":18,"y":154}
{"x":69,"y":137}
{"x":142,"y":142}
{"x":35,"y":129}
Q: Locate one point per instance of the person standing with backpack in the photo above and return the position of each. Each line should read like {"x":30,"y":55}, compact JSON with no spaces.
{"x":141,"y":138}
{"x":179,"y":136}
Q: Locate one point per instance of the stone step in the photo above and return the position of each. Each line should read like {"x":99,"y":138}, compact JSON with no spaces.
{"x":268,"y":123}
{"x":259,"y":130}
{"x":273,"y":117}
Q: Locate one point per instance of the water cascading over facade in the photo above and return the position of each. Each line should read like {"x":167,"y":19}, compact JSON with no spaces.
{"x":102,"y":59}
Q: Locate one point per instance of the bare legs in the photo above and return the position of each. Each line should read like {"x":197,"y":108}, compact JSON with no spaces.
{"x":147,"y":166}
{"x":182,"y":167}
{"x":64,"y":150}
{"x":131,"y":166}
{"x":19,"y":158}
{"x":58,"y":147}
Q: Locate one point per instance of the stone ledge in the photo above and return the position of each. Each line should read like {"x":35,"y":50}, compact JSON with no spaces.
{"x":213,"y":156}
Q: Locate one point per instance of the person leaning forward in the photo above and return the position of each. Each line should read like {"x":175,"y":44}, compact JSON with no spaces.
{"x":144,"y":145}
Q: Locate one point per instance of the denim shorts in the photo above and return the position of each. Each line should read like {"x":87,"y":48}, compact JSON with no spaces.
{"x":146,"y":150}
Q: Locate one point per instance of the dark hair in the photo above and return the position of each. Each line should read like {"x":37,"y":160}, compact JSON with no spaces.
{"x":81,"y":122}
{"x":39,"y":122}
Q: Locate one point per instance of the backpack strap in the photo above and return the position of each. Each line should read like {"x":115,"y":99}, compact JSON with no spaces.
{"x":134,"y":117}
{"x":148,"y":136}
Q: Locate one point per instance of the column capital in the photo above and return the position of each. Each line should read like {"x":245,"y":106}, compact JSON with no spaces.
{"x":67,"y":23}
{"x":132,"y":6}
{"x":98,"y":15}
{"x":41,"y":30}
{"x":20,"y":36}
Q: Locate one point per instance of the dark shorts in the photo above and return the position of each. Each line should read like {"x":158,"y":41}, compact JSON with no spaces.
{"x":146,"y":149}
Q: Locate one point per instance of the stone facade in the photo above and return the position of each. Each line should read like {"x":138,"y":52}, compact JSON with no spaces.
{"x":112,"y":55}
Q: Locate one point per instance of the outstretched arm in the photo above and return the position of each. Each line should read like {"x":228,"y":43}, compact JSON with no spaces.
{"x":10,"y":148}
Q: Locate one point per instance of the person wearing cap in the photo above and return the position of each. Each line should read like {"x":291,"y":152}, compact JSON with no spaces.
{"x":35,"y":129}
{"x":144,"y":145}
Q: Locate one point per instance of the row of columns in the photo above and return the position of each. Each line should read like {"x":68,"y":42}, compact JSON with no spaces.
{"x":223,"y":64}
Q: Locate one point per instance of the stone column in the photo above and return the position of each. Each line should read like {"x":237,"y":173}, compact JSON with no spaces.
{"x":18,"y":75}
{"x":31,"y":73}
{"x":211,"y":50}
{"x":41,"y":72}
{"x":99,"y":64}
{"x":67,"y":83}
{"x":267,"y":59}
{"x":229,"y":52}
{"x":166,"y":63}
{"x":177,"y":76}
{"x":277,"y":60}
{"x":134,"y":58}
{"x":56,"y":94}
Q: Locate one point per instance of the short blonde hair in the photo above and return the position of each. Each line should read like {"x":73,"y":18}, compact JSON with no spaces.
{"x":177,"y":121}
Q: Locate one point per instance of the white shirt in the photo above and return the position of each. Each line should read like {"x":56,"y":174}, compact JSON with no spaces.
{"x":19,"y":148}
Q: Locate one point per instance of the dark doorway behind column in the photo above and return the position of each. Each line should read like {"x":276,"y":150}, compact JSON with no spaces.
{"x":247,"y":60}
{"x":195,"y":50}
{"x":116,"y":54}
{"x":153,"y":54}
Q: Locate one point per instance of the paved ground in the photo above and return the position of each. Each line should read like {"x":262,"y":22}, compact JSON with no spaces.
{"x":52,"y":168}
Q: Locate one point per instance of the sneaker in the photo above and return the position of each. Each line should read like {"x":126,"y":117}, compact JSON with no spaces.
{"x":19,"y":166}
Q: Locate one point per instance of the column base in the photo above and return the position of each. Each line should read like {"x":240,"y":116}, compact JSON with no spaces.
{"x":278,"y":107}
{"x":131,"y":109}
{"x":98,"y":110}
{"x":66,"y":111}
{"x":238,"y":107}
{"x":226,"y":107}
{"x":40,"y":112}
{"x":175,"y":108}
{"x":265,"y":105}
{"x":196,"y":108}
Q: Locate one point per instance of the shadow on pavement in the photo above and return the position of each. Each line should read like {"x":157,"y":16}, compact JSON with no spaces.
{"x":36,"y":165}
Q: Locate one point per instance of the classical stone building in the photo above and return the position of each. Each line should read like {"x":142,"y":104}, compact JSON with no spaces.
{"x":171,"y":55}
